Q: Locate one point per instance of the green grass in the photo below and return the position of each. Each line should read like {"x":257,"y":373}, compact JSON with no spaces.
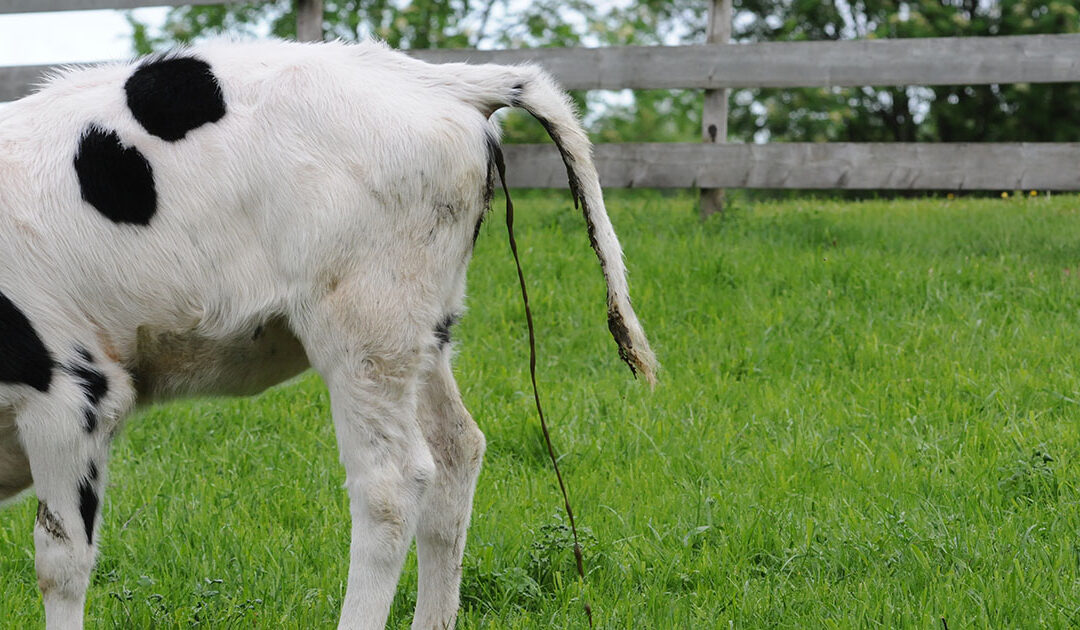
{"x":868,"y":417}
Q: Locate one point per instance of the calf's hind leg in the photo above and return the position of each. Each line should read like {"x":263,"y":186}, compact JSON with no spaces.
{"x":372,"y":381}
{"x":457,"y":445}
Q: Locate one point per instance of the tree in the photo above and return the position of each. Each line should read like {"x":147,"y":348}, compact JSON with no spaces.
{"x":948,"y":114}
{"x":421,"y":24}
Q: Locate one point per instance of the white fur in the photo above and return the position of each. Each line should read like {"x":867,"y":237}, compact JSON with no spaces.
{"x":326,"y":219}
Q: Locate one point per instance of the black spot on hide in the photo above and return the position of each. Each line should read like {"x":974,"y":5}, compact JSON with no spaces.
{"x":93,"y":383}
{"x":442,"y":331}
{"x":515,"y":94}
{"x":23,"y":357}
{"x":84,"y":354}
{"x":489,"y":184}
{"x":476,"y":228}
{"x":115,"y":179}
{"x":88,"y":502}
{"x":89,"y":419}
{"x":492,"y":149}
{"x":170,"y":97}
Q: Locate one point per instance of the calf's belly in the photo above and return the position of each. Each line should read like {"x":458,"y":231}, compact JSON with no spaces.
{"x":174,"y":364}
{"x":14,"y":467}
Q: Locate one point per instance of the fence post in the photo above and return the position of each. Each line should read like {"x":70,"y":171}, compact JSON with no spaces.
{"x":714,"y":114}
{"x":309,"y":19}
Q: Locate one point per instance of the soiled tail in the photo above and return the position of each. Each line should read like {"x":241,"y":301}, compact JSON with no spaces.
{"x":490,"y":87}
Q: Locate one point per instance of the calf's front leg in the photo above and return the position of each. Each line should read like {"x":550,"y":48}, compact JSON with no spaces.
{"x":65,"y":434}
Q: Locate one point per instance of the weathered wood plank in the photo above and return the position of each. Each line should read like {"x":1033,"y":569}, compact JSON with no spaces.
{"x":926,"y":61}
{"x":714,"y":112}
{"x":32,"y":6}
{"x":18,"y":81}
{"x":309,"y":20}
{"x":890,"y":166}
{"x":930,"y":61}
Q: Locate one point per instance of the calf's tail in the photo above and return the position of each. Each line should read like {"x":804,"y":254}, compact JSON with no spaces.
{"x":490,"y":87}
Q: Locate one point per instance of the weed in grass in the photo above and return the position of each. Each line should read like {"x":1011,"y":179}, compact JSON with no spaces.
{"x":1030,"y":479}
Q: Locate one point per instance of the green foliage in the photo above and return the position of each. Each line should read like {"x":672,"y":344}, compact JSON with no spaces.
{"x":993,"y":113}
{"x":186,"y":24}
{"x":867,"y":417}
{"x":422,"y":24}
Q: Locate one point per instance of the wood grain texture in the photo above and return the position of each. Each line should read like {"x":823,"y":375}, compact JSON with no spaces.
{"x":928,"y":61}
{"x":887,"y":166}
{"x":18,"y":81}
{"x":309,"y":20}
{"x":714,"y":113}
{"x":31,"y":6}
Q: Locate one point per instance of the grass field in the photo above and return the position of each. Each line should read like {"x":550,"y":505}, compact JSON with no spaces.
{"x":869,"y":416}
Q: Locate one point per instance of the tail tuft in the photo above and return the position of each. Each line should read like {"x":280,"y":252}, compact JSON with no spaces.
{"x":635,"y":352}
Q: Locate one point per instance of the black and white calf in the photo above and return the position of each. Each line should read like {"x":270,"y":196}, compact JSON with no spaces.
{"x":215,"y":221}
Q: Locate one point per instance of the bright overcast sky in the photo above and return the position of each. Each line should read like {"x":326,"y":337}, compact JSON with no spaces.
{"x":65,"y":36}
{"x":70,"y":36}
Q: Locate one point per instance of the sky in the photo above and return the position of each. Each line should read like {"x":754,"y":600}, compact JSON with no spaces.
{"x":82,"y":36}
{"x":75,"y":36}
{"x":72,"y":36}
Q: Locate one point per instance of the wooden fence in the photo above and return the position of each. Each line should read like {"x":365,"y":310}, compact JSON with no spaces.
{"x":717,"y":67}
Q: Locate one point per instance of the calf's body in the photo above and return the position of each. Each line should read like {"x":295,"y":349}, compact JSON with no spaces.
{"x":218,"y":220}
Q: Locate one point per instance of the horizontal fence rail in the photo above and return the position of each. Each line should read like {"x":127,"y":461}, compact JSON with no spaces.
{"x":930,"y":61}
{"x":32,"y":6}
{"x":894,"y":166}
{"x":18,"y":81}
